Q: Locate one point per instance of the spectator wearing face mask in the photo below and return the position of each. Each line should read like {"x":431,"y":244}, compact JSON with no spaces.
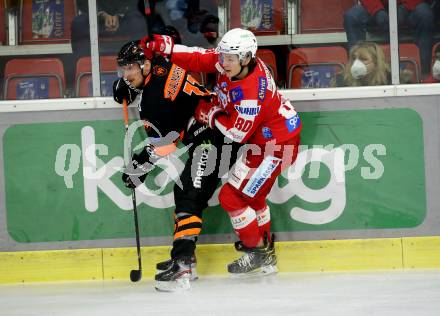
{"x":366,"y":66}
{"x":417,"y":14}
{"x":435,"y":74}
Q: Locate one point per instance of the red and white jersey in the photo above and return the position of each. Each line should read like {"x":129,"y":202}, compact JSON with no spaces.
{"x":255,"y":111}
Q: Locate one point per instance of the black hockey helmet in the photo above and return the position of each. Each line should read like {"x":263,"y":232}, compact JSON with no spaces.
{"x":130,"y":53}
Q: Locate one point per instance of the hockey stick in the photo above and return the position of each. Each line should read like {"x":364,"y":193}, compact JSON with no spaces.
{"x":148,"y":13}
{"x":135,"y":275}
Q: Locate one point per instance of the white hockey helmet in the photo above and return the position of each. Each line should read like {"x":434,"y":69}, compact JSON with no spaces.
{"x":240,"y":42}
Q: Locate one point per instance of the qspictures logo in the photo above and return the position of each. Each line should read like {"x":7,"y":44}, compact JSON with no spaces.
{"x":352,"y":172}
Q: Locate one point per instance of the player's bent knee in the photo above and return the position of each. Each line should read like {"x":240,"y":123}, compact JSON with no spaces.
{"x":230,"y":199}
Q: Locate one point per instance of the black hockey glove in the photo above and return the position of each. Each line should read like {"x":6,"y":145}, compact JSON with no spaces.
{"x":136,"y":172}
{"x":122,"y":91}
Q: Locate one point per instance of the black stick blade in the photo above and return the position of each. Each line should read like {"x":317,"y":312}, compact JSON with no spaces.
{"x":135,"y":275}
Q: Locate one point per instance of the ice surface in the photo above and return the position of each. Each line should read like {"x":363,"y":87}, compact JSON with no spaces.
{"x":364,"y":293}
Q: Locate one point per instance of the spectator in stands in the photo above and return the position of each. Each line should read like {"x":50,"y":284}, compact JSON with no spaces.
{"x":115,"y":18}
{"x":366,"y":66}
{"x":209,"y":28}
{"x":435,"y":74}
{"x":196,"y":20}
{"x":416,"y":13}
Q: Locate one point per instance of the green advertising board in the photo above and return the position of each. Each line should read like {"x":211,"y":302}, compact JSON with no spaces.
{"x":357,"y":169}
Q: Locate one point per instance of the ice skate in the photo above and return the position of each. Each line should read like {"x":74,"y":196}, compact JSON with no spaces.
{"x":176,"y":277}
{"x":255,"y":261}
{"x":165,"y":265}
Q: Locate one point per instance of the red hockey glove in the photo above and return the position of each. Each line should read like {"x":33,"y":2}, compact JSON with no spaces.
{"x":147,"y":51}
{"x":206,"y":113}
{"x":161,"y":44}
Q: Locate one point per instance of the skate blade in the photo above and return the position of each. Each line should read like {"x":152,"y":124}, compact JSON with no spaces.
{"x":193,"y":276}
{"x":263,"y":271}
{"x":179,"y":285}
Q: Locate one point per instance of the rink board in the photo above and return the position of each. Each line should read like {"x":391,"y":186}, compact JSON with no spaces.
{"x":57,"y":224}
{"x":307,"y":256}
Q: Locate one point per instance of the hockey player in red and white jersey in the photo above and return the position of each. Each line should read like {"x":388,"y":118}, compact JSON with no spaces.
{"x":248,"y":109}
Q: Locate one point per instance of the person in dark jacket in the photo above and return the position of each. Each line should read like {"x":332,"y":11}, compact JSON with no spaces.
{"x":115,"y":18}
{"x":415,"y":13}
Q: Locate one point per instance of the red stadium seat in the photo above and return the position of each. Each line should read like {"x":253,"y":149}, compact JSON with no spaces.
{"x":315,"y":67}
{"x":3,"y":22}
{"x":269,"y":59}
{"x":317,"y":16}
{"x":34,"y":78}
{"x":83,"y":76}
{"x":409,"y":58}
{"x":268,"y":21}
{"x":46,"y":21}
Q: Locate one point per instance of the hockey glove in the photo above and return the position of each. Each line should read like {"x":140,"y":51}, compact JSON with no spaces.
{"x":147,"y":51}
{"x":161,"y":44}
{"x":134,"y":175}
{"x":206,"y":113}
{"x":122,"y":91}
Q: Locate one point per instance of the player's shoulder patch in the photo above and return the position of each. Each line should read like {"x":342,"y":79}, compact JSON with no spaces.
{"x":159,"y":70}
{"x":293,"y":123}
{"x":236,"y":94}
{"x":267,"y":132}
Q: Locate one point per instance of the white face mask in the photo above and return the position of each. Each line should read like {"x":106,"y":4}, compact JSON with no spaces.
{"x":436,"y":70}
{"x":358,"y":69}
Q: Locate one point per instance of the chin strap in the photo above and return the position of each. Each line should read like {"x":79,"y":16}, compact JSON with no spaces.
{"x":219,"y":68}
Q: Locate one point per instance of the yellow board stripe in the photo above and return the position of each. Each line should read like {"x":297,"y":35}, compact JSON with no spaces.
{"x":340,"y":255}
{"x":57,"y":265}
{"x":421,"y":252}
{"x":301,"y":256}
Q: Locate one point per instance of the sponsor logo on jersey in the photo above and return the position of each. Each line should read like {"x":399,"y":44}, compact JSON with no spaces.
{"x":238,"y":220}
{"x":223,"y":98}
{"x":201,"y":165}
{"x":235,"y":134}
{"x":201,"y":129}
{"x":247,"y":110}
{"x":159,"y":71}
{"x":236,"y":94}
{"x":262,"y":86}
{"x":263,"y":172}
{"x":270,"y":82}
{"x":293,"y":123}
{"x":174,"y":82}
{"x":244,"y":219}
{"x":267,"y":132}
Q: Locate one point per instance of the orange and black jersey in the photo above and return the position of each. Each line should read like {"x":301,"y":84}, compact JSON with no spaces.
{"x":169,"y":98}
